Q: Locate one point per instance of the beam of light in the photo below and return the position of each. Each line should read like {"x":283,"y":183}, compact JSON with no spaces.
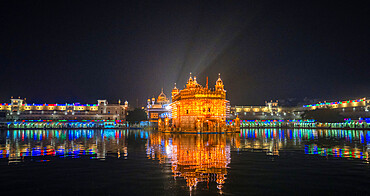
{"x":205,"y":48}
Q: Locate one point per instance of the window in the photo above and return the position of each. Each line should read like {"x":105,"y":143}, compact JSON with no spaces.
{"x":154,"y":115}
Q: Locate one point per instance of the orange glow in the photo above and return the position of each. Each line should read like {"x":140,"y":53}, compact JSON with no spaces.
{"x":194,"y":157}
{"x":197,"y":107}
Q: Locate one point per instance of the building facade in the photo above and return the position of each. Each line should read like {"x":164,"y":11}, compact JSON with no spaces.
{"x":270,"y":111}
{"x":198,"y":107}
{"x":158,"y":110}
{"x":18,"y":110}
{"x":351,"y":109}
{"x":359,"y":104}
{"x":354,"y":109}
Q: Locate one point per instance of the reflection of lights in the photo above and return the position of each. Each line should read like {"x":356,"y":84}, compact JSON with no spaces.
{"x":270,"y":141}
{"x":169,"y":151}
{"x":195,"y":158}
{"x":61,"y":143}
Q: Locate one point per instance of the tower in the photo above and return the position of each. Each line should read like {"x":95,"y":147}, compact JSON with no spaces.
{"x":175,"y":91}
{"x":190,"y":82}
{"x":219,"y":84}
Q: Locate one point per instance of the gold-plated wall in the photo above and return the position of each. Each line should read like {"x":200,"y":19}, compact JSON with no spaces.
{"x":197,"y":107}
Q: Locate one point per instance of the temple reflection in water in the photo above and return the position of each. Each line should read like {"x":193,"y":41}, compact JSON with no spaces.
{"x":194,"y":157}
{"x":205,"y":157}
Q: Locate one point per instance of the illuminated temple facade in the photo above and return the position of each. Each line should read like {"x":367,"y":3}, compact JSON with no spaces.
{"x":158,"y":109}
{"x":199,"y":108}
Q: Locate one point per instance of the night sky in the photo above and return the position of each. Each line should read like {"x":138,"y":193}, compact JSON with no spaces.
{"x":80,"y":52}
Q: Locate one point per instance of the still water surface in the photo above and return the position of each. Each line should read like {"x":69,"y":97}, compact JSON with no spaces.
{"x":140,"y":162}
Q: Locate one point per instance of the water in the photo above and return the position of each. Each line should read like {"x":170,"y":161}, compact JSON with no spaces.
{"x":138,"y":162}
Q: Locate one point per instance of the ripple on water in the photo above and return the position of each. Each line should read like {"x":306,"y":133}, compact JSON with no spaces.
{"x":138,"y":162}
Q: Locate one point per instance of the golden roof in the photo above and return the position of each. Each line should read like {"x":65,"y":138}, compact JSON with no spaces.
{"x":162,"y":97}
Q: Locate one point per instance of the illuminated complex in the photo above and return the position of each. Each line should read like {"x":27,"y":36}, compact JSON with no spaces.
{"x":355,"y":109}
{"x":357,"y":103}
{"x":271,"y":110}
{"x":18,"y":109}
{"x":199,"y":108}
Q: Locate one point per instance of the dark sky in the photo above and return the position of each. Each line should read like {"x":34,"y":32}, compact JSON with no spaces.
{"x":80,"y":52}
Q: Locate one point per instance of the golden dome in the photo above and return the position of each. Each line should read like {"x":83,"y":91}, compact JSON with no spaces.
{"x":162,"y":97}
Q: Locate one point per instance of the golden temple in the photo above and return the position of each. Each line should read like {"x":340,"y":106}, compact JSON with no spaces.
{"x":198,"y":108}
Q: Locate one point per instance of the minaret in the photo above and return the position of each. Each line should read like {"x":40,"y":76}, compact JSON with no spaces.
{"x":175,"y":91}
{"x":207,"y":83}
{"x":190,"y":81}
{"x":219,"y":84}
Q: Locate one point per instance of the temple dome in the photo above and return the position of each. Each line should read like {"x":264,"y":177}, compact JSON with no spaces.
{"x":162,"y":97}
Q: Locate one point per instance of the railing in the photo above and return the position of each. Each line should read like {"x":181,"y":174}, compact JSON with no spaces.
{"x":344,"y":125}
{"x":65,"y":125}
{"x":301,"y":124}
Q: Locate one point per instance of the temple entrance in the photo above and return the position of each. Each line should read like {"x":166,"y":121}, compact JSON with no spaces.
{"x":209,"y":124}
{"x":205,"y":125}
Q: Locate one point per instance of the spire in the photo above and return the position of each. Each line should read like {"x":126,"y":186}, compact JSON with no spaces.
{"x":174,"y":91}
{"x":219,"y":78}
{"x":190,"y":78}
{"x":219,"y":83}
{"x":207,"y":83}
{"x":190,"y":81}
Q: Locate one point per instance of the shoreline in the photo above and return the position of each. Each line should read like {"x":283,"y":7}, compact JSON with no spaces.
{"x":87,"y":128}
{"x":191,"y":132}
{"x":287,"y":127}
